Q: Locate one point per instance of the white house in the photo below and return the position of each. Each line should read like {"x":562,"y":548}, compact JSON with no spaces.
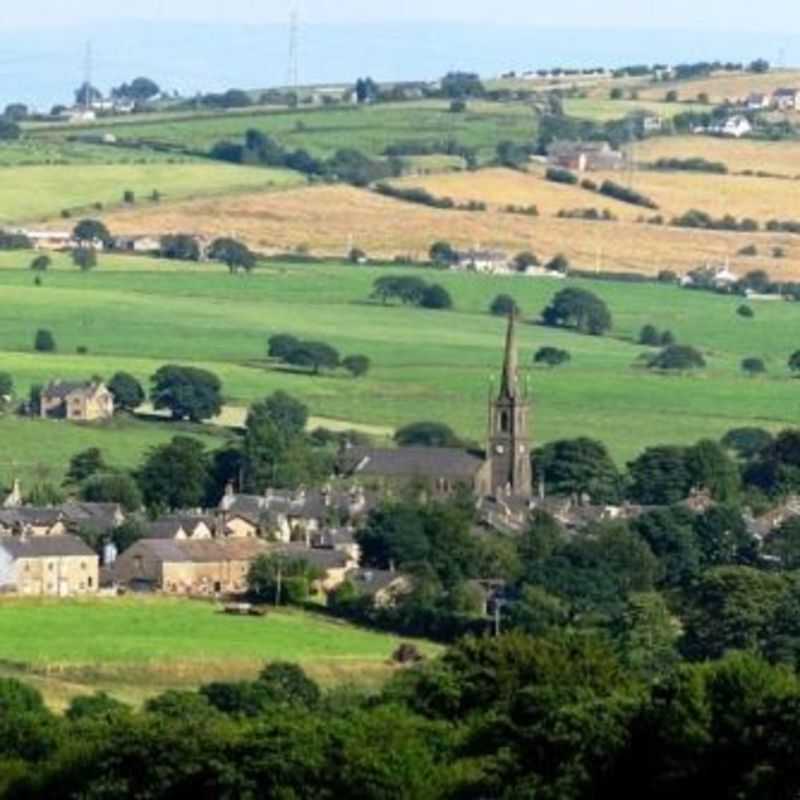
{"x":490,"y":262}
{"x":736,"y":127}
{"x":786,"y":99}
{"x":758,"y":101}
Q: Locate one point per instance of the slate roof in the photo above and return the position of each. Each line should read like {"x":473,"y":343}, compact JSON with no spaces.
{"x":369,"y":582}
{"x":29,"y":515}
{"x":432,"y":462}
{"x":207,"y":551}
{"x":45,"y":547}
{"x":77,"y":512}
{"x":323,"y":559}
{"x":63,"y":389}
{"x":168,"y":527}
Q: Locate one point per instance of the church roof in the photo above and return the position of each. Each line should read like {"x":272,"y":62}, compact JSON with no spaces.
{"x":509,"y":386}
{"x":426,"y":462}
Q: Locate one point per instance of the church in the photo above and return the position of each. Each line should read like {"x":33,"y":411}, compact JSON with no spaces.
{"x":502,"y":471}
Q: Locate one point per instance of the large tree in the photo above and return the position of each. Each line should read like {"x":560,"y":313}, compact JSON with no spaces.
{"x":175,"y":475}
{"x":427,"y":434}
{"x":234,"y":254}
{"x":660,"y":476}
{"x":127,"y":391}
{"x":187,"y":392}
{"x":579,"y":466}
{"x":91,"y":232}
{"x":579,"y":309}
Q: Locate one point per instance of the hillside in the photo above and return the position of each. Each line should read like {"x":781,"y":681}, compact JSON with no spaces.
{"x":725,"y":86}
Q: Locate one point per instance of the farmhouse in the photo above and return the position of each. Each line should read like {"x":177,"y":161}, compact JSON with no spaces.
{"x":183,"y":567}
{"x":736,"y":126}
{"x":77,"y":402}
{"x":786,"y":99}
{"x":489,"y":262}
{"x":585,"y":156}
{"x":758,"y":101}
{"x":502,"y":470}
{"x":58,"y":566}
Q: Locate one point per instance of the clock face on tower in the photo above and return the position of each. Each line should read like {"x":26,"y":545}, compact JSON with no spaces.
{"x":499,"y":449}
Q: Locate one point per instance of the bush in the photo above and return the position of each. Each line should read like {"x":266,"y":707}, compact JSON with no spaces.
{"x":503,"y":305}
{"x":356,"y":365}
{"x":128,"y":197}
{"x":626,"y":195}
{"x":677,"y":357}
{"x":443,"y":253}
{"x":551,"y":357}
{"x":427,"y":434}
{"x":746,"y":312}
{"x":649,"y":336}
{"x":523,"y":261}
{"x":436,"y":297}
{"x":415,"y":195}
{"x":458,"y":107}
{"x":44,"y":341}
{"x":748,"y":250}
{"x":41,"y":263}
{"x":558,"y":263}
{"x":580,"y":309}
{"x":753,"y":366}
{"x":280,"y":345}
{"x":589,"y":185}
{"x":558,"y":175}
{"x":691,"y":165}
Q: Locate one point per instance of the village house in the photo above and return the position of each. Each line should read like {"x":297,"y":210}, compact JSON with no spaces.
{"x":77,"y":402}
{"x":57,"y":566}
{"x":49,"y":240}
{"x":101,"y":516}
{"x":652,"y":123}
{"x":32,"y":522}
{"x":785,"y":99}
{"x":382,"y":587}
{"x":735,"y":127}
{"x":185,"y":567}
{"x":182,"y":528}
{"x":585,"y":156}
{"x":758,"y":101}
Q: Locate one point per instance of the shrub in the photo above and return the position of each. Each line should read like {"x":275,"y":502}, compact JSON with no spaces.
{"x":753,"y":366}
{"x":522,"y":261}
{"x":558,"y":175}
{"x":691,"y":165}
{"x":558,"y":263}
{"x":44,"y":341}
{"x":280,"y":345}
{"x":745,"y":311}
{"x":589,"y":185}
{"x":748,"y":250}
{"x":443,"y":253}
{"x":503,"y":305}
{"x":436,"y":297}
{"x":677,"y":357}
{"x":626,"y":195}
{"x":427,"y":434}
{"x":551,"y":357}
{"x":580,"y":309}
{"x":458,"y":107}
{"x":128,"y":197}
{"x":649,"y":336}
{"x":41,"y":263}
{"x":356,"y":365}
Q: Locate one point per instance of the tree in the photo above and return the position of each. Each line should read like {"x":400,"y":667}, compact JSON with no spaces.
{"x":577,"y":467}
{"x":580,"y":309}
{"x":290,"y":685}
{"x":116,"y":487}
{"x":616,"y":93}
{"x":41,"y":263}
{"x":174,"y":475}
{"x":426,"y":434}
{"x":660,"y":476}
{"x":747,"y":442}
{"x":16,"y":112}
{"x":746,"y":312}
{"x":315,"y":356}
{"x":179,"y":246}
{"x":784,"y":544}
{"x":139,"y":90}
{"x":671,"y":96}
{"x":794,"y":361}
{"x":187,"y":392}
{"x":85,"y":258}
{"x":127,"y":391}
{"x":458,"y":107}
{"x":233,"y":254}
{"x":443,"y":253}
{"x":649,"y":336}
{"x":436,"y":297}
{"x":91,"y":232}
{"x":281,"y":345}
{"x":759,"y":66}
{"x":524,"y":260}
{"x":86,"y":95}
{"x":98,"y":706}
{"x":9,"y":130}
{"x":775,"y":469}
{"x":6,"y":385}
{"x":357,"y":366}
{"x":280,"y":580}
{"x":730,"y":608}
{"x":753,"y":366}
{"x":504,"y":305}
{"x":723,"y":537}
{"x":458,"y":85}
{"x":551,"y":357}
{"x":669,"y":532}
{"x":286,"y":413}
{"x":366,"y":90}
{"x":677,"y":357}
{"x":558,"y":263}
{"x":711,"y":468}
{"x":44,"y":342}
{"x":84,"y":465}
{"x":407,"y":288}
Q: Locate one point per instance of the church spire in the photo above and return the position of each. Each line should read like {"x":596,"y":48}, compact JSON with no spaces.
{"x":509,"y":386}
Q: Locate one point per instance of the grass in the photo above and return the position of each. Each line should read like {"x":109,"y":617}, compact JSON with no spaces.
{"x":141,"y":646}
{"x":43,"y":191}
{"x":725,"y":86}
{"x":602,"y":109}
{"x":427,"y":365}
{"x":322,"y":133}
{"x":60,"y":152}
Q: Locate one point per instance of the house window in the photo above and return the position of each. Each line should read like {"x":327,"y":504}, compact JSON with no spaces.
{"x":83,"y":565}
{"x":50,"y":567}
{"x":505,"y":425}
{"x":90,"y":582}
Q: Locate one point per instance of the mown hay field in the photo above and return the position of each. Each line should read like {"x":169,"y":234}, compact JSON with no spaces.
{"x":138,"y":647}
{"x":38,"y":192}
{"x":327,"y":220}
{"x":738,"y":155}
{"x":425,"y":364}
{"x":724,"y":86}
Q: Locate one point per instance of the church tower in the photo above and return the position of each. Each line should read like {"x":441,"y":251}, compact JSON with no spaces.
{"x":509,"y":450}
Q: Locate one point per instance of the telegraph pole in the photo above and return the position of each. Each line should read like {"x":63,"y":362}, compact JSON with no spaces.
{"x":87,"y":76}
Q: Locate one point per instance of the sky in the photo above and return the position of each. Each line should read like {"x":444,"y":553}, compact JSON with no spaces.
{"x":779,"y":16}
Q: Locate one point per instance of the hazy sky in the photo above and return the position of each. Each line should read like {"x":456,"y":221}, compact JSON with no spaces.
{"x":780,"y":16}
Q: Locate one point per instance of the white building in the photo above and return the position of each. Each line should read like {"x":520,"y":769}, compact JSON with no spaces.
{"x":736,"y":127}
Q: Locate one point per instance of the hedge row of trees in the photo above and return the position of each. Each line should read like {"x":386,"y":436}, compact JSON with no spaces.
{"x":315,"y":356}
{"x":424,"y":197}
{"x":410,"y":290}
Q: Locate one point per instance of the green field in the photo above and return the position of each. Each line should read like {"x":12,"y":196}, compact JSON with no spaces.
{"x":136,"y":314}
{"x":324,"y":132}
{"x":140,"y":646}
{"x":59,"y":152}
{"x":604,"y":109}
{"x":37,"y":192}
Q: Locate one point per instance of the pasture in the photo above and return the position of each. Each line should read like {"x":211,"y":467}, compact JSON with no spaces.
{"x":323,"y":132}
{"x":724,"y":85}
{"x":138,"y":647}
{"x":38,"y":192}
{"x":602,"y":109}
{"x":137,"y":314}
